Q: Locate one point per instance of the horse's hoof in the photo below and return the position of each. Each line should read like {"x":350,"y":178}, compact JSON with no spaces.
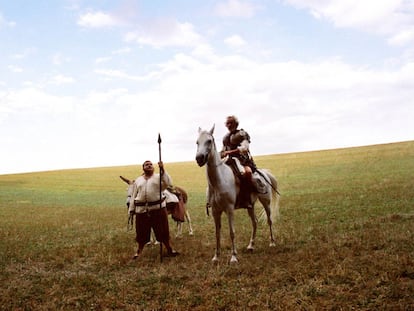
{"x":272,"y":244}
{"x":250,"y":249}
{"x":215,"y":259}
{"x":233,"y":259}
{"x":136,"y":256}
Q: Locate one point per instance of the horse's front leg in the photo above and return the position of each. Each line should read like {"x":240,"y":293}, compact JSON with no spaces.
{"x":179,"y":232}
{"x":252,"y":216}
{"x":233,"y":258}
{"x":217,"y":224}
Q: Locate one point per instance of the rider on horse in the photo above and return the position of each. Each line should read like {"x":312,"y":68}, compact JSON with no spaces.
{"x":236,"y":146}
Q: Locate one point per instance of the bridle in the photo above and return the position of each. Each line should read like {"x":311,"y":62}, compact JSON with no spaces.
{"x":209,"y":149}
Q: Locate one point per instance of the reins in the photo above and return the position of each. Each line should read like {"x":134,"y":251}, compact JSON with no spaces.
{"x":210,"y":152}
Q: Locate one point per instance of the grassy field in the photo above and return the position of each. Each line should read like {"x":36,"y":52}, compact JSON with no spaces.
{"x":345,"y":240}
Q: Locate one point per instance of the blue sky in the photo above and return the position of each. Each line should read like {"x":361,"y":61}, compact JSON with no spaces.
{"x":92,"y":83}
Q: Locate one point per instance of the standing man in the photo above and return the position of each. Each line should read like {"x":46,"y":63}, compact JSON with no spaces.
{"x":236,"y":145}
{"x":150,"y":208}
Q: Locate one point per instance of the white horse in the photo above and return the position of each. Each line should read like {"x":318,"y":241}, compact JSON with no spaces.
{"x":223,"y":190}
{"x":184,"y":196}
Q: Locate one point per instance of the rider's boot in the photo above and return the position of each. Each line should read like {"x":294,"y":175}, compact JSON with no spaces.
{"x":246,"y":189}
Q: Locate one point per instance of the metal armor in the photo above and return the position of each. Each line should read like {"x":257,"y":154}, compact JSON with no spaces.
{"x":233,"y":140}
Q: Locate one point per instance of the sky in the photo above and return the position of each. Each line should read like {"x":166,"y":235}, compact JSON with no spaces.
{"x":92,"y":83}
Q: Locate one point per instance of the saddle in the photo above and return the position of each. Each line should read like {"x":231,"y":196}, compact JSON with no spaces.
{"x":256,"y":184}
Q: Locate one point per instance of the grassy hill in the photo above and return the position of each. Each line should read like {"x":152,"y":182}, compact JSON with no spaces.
{"x":344,"y":240}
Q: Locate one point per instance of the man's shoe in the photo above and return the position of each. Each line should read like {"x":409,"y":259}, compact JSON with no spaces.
{"x":173,"y":254}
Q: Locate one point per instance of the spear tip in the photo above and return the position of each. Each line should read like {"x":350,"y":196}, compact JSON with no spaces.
{"x":159,"y":138}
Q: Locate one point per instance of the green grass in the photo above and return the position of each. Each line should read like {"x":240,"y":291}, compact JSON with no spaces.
{"x":344,"y":240}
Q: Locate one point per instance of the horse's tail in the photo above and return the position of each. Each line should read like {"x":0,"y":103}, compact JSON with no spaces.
{"x":183,"y":193}
{"x":274,"y":203}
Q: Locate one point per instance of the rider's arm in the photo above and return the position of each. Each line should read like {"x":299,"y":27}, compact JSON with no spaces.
{"x":242,"y":149}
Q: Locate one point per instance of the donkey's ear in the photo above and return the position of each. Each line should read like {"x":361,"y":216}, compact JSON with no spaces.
{"x":212,"y":129}
{"x":126,"y":180}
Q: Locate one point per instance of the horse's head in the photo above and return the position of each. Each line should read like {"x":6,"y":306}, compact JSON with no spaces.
{"x":205,"y":144}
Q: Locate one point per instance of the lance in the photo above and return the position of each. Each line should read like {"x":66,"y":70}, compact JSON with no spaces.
{"x":161,"y":171}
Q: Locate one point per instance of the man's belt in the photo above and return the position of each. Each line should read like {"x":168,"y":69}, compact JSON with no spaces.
{"x":149,"y":203}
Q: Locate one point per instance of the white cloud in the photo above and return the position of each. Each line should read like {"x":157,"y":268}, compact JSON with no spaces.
{"x":285,"y":106}
{"x":61,"y":79}
{"x":27,"y":52}
{"x":59,"y":59}
{"x":100,"y":60}
{"x":235,"y":8}
{"x":391,"y":18}
{"x":34,"y":101}
{"x":235,"y":41}
{"x":125,"y":50}
{"x":6,"y":23}
{"x":98,"y":20}
{"x":112,"y":74}
{"x":165,"y":33}
{"x":402,"y":38}
{"x":204,"y":51}
{"x":15,"y":69}
{"x":306,"y":106}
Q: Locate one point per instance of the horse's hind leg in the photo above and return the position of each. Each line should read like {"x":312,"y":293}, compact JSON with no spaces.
{"x":252,"y":215}
{"x":270,"y":224}
{"x":272,"y":235}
